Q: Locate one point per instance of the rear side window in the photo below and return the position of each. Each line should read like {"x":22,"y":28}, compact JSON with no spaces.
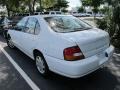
{"x":32,"y":26}
{"x":37,"y":28}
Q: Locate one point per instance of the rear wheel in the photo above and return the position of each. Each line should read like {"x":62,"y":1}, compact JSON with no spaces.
{"x":10,"y":43}
{"x":41,"y":64}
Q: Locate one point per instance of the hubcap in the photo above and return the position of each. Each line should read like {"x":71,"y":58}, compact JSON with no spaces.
{"x":40,"y":64}
{"x":10,"y":43}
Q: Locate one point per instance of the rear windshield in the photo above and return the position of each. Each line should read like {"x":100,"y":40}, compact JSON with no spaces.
{"x":64,"y":24}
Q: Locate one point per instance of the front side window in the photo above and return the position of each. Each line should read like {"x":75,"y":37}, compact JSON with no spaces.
{"x":66,"y":24}
{"x":22,"y":22}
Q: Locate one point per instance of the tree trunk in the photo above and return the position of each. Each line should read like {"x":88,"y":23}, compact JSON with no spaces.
{"x":33,"y":6}
{"x":84,"y":9}
{"x":94,"y":16}
{"x":8,"y":10}
{"x":41,"y":8}
{"x":30,"y":7}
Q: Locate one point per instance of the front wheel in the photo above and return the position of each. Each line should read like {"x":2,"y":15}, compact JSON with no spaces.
{"x":10,"y":43}
{"x":5,"y":34}
{"x":41,"y":65}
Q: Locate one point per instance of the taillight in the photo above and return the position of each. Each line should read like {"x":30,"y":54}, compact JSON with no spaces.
{"x":73,"y":53}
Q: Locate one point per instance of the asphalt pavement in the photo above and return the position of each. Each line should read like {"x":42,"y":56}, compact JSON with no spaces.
{"x":10,"y":79}
{"x":107,"y":78}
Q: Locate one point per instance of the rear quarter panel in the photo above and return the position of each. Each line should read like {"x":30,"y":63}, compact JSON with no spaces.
{"x":51,"y":43}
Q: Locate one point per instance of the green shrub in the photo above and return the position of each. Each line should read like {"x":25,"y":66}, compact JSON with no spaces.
{"x":101,"y":23}
{"x":111,"y":23}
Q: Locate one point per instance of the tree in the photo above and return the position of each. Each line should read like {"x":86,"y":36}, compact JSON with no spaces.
{"x":115,"y":22}
{"x":11,"y":5}
{"x":112,"y":22}
{"x":30,"y":4}
{"x":16,"y":6}
{"x":92,"y":3}
{"x":53,"y":5}
{"x":61,"y":4}
{"x":104,"y":10}
{"x":48,"y":3}
{"x":85,"y":3}
{"x":81,"y":9}
{"x":109,"y":2}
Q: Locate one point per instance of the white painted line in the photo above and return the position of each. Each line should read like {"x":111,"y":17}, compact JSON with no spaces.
{"x":23,"y":74}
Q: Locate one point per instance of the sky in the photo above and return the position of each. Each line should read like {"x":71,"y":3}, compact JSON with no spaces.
{"x":73,"y":3}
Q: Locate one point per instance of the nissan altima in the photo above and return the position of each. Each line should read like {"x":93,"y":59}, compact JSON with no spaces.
{"x":62,"y":44}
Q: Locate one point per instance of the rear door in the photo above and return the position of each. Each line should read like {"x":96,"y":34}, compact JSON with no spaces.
{"x":30,"y":35}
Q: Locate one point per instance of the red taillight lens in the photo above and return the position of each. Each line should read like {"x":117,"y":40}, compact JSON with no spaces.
{"x":73,"y":53}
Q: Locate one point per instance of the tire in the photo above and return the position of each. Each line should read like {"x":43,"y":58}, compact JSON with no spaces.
{"x":5,"y":34}
{"x":41,"y":65}
{"x":10,"y":43}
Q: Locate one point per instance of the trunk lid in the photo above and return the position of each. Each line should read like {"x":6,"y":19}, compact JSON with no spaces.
{"x":91,"y":41}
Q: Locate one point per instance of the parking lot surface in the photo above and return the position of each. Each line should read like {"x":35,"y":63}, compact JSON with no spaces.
{"x":107,"y":78}
{"x":10,"y":79}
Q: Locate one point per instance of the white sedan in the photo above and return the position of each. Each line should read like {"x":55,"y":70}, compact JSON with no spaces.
{"x":62,"y":44}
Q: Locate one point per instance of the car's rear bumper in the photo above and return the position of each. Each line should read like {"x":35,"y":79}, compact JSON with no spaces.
{"x":75,"y":69}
